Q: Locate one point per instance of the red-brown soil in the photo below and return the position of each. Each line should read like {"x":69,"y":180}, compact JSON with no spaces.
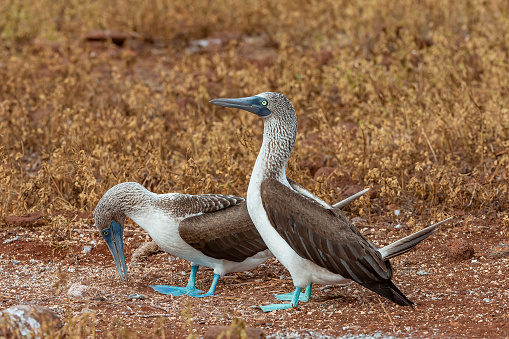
{"x":454,"y":298}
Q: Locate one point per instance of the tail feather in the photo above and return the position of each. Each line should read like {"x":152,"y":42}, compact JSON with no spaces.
{"x":390,"y":291}
{"x":407,"y":243}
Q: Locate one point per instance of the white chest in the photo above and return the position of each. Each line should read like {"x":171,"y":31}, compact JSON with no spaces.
{"x":303,"y":271}
{"x":162,"y":229}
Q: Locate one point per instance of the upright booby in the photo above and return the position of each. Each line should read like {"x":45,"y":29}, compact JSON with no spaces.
{"x":211,"y":230}
{"x":317,"y":244}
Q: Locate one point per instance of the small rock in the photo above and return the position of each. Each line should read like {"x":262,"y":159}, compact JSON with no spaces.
{"x":87,"y":249}
{"x":136,"y":296}
{"x":260,"y":321}
{"x":349,"y":128}
{"x":34,"y":219}
{"x":76,"y":290}
{"x":499,"y":251}
{"x":325,"y":172}
{"x":29,"y":321}
{"x":358,"y":221}
{"x":99,"y":298}
{"x":11,"y":240}
{"x":144,"y":251}
{"x":117,"y":37}
{"x":459,"y":249}
{"x":312,"y":166}
{"x":204,"y":45}
{"x":422,"y":272}
{"x":373,"y":192}
{"x":323,"y":56}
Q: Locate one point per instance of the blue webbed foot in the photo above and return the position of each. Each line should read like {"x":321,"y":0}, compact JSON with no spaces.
{"x":178,"y":291}
{"x":293,"y":303}
{"x":302,"y":297}
{"x":289,"y":296}
{"x":275,"y":307}
{"x":175,"y":290}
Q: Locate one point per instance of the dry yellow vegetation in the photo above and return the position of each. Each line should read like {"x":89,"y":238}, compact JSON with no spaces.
{"x":408,"y":97}
{"x":411,"y":97}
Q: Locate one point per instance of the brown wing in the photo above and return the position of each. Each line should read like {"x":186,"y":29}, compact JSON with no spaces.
{"x":227,"y":234}
{"x":328,"y":239}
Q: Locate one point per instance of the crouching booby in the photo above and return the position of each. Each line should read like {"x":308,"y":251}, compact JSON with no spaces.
{"x":211,"y":230}
{"x":316,"y":243}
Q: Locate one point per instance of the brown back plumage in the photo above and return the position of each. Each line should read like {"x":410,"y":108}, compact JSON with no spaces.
{"x":236,"y":239}
{"x":328,"y":239}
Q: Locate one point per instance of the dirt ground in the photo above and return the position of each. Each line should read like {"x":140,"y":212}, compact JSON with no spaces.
{"x":454,"y":297}
{"x":407,"y":98}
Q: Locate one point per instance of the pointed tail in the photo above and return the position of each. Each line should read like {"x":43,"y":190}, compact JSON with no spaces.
{"x":407,"y":243}
{"x":390,"y":291}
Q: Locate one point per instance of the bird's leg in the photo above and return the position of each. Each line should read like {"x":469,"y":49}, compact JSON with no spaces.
{"x":303,"y":297}
{"x":192,"y":276}
{"x":293,"y":303}
{"x":190,"y":289}
{"x":212,"y":288}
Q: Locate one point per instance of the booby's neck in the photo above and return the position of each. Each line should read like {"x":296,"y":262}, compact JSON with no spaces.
{"x":278,"y":143}
{"x":158,"y":214}
{"x":136,"y":202}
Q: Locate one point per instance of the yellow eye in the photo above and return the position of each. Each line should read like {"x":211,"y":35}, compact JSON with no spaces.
{"x":106,"y":232}
{"x":264,"y":103}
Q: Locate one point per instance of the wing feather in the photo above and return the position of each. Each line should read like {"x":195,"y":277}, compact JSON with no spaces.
{"x":224,"y":233}
{"x":328,"y":239}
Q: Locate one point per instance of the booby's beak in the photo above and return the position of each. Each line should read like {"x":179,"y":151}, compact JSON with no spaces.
{"x":114,"y":237}
{"x":254,"y":104}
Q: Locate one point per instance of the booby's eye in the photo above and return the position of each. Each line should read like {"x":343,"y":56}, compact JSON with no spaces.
{"x":106,"y":232}
{"x":264,"y":102}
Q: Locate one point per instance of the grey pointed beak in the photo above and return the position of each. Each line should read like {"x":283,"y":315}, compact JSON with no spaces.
{"x":254,"y":104}
{"x":114,"y":237}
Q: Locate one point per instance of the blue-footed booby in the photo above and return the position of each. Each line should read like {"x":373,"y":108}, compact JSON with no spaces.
{"x":315,"y":242}
{"x":211,"y":230}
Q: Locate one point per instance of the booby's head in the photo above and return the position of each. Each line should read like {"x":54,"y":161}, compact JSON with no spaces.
{"x":279,"y":129}
{"x":265,"y":105}
{"x":109,"y":219}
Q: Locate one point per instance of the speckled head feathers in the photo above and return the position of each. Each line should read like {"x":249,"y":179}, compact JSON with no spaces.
{"x":279,"y":131}
{"x":278,"y":104}
{"x":111,"y":206}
